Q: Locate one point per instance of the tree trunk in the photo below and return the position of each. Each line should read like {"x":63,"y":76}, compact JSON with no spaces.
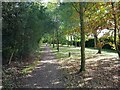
{"x":53,"y":43}
{"x":82,"y":38}
{"x":53,"y":39}
{"x":99,"y":46}
{"x":115,"y":30}
{"x":11,"y":57}
{"x":71,"y":40}
{"x":68,"y":41}
{"x":75,"y":41}
{"x":95,"y":39}
{"x":118,"y":46}
{"x":57,"y":41}
{"x":99,"y":51}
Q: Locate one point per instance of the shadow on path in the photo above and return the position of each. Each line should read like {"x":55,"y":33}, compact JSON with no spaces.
{"x":46,"y":75}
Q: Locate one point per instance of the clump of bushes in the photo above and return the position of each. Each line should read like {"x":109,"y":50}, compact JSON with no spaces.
{"x":89,"y":43}
{"x":107,"y":46}
{"x":108,"y":43}
{"x":76,"y":43}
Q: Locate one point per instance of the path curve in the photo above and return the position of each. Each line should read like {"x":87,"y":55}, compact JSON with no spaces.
{"x":46,"y":75}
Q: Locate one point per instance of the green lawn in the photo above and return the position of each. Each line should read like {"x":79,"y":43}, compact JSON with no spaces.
{"x":100,"y":68}
{"x":75,"y":52}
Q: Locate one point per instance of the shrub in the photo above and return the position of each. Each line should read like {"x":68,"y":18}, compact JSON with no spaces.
{"x":76,"y":43}
{"x":89,"y":43}
{"x":107,"y":46}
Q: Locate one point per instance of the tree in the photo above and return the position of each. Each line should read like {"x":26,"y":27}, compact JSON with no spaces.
{"x":24,"y":24}
{"x":82,"y":37}
{"x":81,"y":13}
{"x":115,"y":29}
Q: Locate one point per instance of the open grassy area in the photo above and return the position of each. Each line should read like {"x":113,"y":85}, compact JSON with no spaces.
{"x":101,"y":69}
{"x":75,"y":52}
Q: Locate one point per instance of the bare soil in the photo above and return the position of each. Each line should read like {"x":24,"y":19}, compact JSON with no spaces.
{"x":46,"y":75}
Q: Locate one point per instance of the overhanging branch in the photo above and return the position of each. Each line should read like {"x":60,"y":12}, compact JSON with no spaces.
{"x":75,"y":8}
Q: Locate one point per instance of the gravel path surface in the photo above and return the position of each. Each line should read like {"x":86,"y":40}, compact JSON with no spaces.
{"x":46,"y":75}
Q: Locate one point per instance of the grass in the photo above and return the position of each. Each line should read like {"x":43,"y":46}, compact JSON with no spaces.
{"x":30,"y":67}
{"x":75,"y":52}
{"x":98,"y":66}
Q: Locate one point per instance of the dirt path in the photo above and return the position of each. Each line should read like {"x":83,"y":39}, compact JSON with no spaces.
{"x":47,"y":74}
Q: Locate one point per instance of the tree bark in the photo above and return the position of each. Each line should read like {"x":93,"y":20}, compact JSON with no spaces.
{"x":115,"y":30}
{"x":71,"y":40}
{"x":11,"y":57}
{"x":75,"y":41}
{"x":57,"y":41}
{"x":82,"y":38}
{"x":68,"y":41}
{"x":99,"y":51}
{"x":53,"y":39}
{"x":118,"y":46}
{"x":95,"y":39}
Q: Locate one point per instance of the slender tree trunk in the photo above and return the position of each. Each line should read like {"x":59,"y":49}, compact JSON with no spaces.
{"x":68,"y":41}
{"x":11,"y":57}
{"x":12,"y":54}
{"x":53,"y":39}
{"x":118,"y":44}
{"x":82,"y":38}
{"x":50,"y":43}
{"x":115,"y":30}
{"x":99,"y":46}
{"x":75,"y":41}
{"x":95,"y":39}
{"x":53,"y":43}
{"x":71,"y":40}
{"x":99,"y":51}
{"x":57,"y":41}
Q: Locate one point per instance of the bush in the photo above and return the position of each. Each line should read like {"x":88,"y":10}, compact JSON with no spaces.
{"x":78,"y":43}
{"x":107,"y":39}
{"x":108,"y":42}
{"x":89,"y":43}
{"x":107,"y":46}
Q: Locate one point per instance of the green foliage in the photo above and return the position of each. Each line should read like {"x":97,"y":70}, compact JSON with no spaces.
{"x":89,"y":43}
{"x":107,"y":46}
{"x":108,"y":43}
{"x":76,"y":43}
{"x":24,"y":23}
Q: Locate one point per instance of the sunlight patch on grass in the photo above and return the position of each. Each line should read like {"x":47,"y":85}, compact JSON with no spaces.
{"x":97,"y":65}
{"x":30,"y":68}
{"x":75,"y":55}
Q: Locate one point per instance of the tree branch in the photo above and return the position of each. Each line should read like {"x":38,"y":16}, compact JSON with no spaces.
{"x":75,"y":8}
